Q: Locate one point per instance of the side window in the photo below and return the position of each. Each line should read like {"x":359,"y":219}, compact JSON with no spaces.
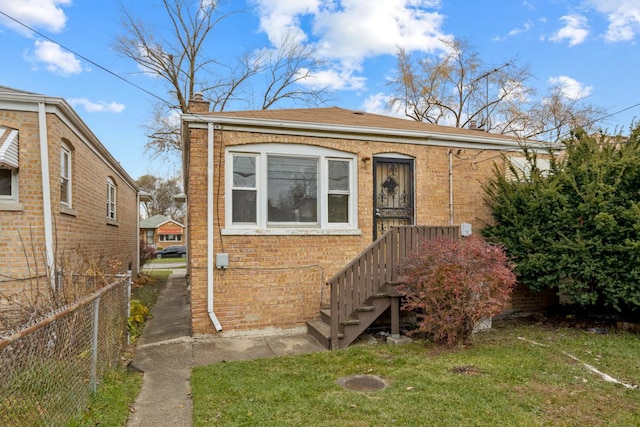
{"x":111,"y":199}
{"x":339,"y":191}
{"x":9,"y":164}
{"x":65,"y":175}
{"x":8,"y":185}
{"x":244,"y":189}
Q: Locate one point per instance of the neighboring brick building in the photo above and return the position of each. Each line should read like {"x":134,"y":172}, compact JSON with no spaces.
{"x":62,"y":195}
{"x":280,"y":200}
{"x":160,"y":231}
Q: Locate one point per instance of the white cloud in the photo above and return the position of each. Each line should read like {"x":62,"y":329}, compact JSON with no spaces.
{"x":350,"y":31}
{"x":38,"y":14}
{"x":623,"y":17}
{"x":576,"y":30}
{"x":379,"y":104}
{"x":281,"y":17}
{"x":96,"y":107}
{"x":571,"y":88}
{"x":364,"y":28}
{"x":55,"y":58}
{"x":526,"y":27}
{"x":514,"y":32}
{"x":337,"y":78}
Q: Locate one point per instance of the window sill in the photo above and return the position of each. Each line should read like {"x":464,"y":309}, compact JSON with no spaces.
{"x":11,"y":206}
{"x":112,"y":222}
{"x":290,"y":232}
{"x":68,"y":211}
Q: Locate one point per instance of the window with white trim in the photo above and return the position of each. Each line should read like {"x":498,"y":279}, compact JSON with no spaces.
{"x":9,"y":164}
{"x":65,"y":175}
{"x":171,"y":237}
{"x":521,"y":168}
{"x":111,"y":199}
{"x":8,"y":185}
{"x":290,"y":186}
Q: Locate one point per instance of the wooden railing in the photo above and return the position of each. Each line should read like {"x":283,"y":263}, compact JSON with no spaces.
{"x":375,"y":267}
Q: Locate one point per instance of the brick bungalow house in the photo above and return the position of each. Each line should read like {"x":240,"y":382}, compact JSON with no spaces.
{"x":160,"y":231}
{"x":61,"y":193}
{"x":279,"y":201}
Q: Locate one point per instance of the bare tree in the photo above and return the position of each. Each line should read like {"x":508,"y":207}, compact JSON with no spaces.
{"x":162,"y":192}
{"x":182,"y":58}
{"x":454,"y":89}
{"x":556,"y":114}
{"x":459,"y":90}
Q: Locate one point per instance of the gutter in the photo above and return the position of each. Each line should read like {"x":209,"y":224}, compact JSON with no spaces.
{"x":46,"y":192}
{"x":210,"y":228}
{"x":450,"y":187}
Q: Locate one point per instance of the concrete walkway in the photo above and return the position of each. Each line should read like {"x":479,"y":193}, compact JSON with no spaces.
{"x":166,"y":352}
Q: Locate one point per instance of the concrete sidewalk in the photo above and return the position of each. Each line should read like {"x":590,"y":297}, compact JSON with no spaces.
{"x":166,"y":352}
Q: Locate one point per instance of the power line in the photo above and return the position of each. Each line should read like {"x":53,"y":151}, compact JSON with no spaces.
{"x":168,"y":103}
{"x":85,"y":58}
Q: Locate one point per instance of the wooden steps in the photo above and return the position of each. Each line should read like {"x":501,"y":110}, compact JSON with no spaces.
{"x":351,"y":327}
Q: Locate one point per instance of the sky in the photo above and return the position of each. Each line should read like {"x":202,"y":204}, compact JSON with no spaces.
{"x":590,"y":47}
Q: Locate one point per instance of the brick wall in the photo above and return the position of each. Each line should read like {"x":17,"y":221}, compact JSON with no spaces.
{"x":83,"y":229}
{"x":524,"y":300}
{"x":278,"y":281}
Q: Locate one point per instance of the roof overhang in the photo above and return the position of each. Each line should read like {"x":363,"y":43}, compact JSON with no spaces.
{"x":481,"y":141}
{"x":26,"y":101}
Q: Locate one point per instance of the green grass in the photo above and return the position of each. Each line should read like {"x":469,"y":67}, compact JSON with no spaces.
{"x":118,"y":389}
{"x":167,"y":261}
{"x":110,"y":405}
{"x":148,"y":287}
{"x":503,"y":381}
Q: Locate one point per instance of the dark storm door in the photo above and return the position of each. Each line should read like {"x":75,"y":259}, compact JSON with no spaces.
{"x":393,"y":201}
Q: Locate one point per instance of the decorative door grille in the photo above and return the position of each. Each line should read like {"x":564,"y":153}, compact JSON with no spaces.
{"x":393,"y":201}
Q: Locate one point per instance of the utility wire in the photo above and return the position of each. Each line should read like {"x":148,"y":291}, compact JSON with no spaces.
{"x":85,"y":58}
{"x":168,"y":103}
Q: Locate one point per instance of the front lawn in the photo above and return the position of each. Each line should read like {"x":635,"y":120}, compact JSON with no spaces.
{"x":167,"y":261}
{"x":517,"y":375}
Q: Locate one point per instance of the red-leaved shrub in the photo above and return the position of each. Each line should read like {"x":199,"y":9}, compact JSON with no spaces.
{"x":453,"y":284}
{"x":147,"y":252}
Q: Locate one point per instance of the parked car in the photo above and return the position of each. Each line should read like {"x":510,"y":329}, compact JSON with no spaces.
{"x":172,"y":252}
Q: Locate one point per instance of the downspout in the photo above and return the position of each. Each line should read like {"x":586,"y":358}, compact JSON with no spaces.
{"x":210,"y":228}
{"x":46,"y":193}
{"x":450,"y":187}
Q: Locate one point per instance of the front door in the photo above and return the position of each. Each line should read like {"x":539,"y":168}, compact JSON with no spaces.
{"x":392,"y":193}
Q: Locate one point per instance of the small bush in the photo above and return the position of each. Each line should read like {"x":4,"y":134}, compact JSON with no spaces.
{"x":147,"y":253}
{"x":453,"y":284}
{"x":139,"y":313}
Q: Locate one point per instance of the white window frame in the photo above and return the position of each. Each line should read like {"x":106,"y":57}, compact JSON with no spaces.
{"x":261,"y":152}
{"x":111,"y":199}
{"x":66,"y":174}
{"x":13,"y":196}
{"x":523,"y":168}
{"x":174,"y":238}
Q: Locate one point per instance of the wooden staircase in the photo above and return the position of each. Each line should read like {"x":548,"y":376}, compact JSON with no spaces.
{"x":363,"y":290}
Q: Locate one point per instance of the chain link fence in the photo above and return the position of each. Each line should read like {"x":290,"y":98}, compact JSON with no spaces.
{"x":50,"y":368}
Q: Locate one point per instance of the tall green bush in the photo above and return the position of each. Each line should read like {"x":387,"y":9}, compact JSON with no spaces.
{"x":576,"y":229}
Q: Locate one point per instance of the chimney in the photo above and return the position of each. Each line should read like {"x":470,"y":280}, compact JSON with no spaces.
{"x":473,"y":125}
{"x":198,"y":104}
